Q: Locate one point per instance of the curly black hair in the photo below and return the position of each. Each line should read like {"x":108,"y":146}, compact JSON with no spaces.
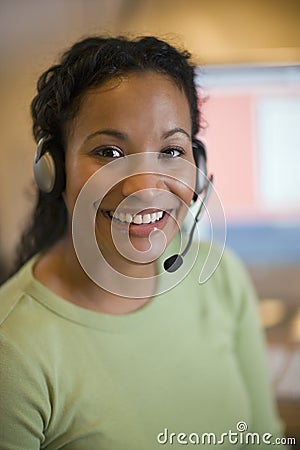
{"x":87,"y":64}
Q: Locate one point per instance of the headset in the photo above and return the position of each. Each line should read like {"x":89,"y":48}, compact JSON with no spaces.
{"x":49,"y":168}
{"x":199,"y":152}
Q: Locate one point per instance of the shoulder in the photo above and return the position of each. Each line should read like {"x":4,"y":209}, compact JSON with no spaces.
{"x":214,"y":264}
{"x":22,"y":318}
{"x":16,"y":334}
{"x":23,"y":385}
{"x":28,"y":338}
{"x":12,"y":291}
{"x":232,"y":271}
{"x":225,"y":278}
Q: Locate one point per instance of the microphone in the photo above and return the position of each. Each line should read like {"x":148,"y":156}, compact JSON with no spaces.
{"x":173,"y":263}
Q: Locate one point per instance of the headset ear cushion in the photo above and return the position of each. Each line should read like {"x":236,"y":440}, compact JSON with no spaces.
{"x":199,"y":152}
{"x":44,"y":173}
{"x":49,"y":172}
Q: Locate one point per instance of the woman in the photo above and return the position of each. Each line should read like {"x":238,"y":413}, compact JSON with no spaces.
{"x":84,"y":364}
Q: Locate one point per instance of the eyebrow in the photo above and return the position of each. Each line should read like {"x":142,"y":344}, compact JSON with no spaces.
{"x":176,"y":130}
{"x":109,"y":132}
{"x":123,"y":136}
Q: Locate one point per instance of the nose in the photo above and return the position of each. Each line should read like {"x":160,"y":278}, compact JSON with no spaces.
{"x":143,"y":186}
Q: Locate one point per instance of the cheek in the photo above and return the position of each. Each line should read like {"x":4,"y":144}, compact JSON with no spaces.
{"x":76,"y":177}
{"x":184,"y":191}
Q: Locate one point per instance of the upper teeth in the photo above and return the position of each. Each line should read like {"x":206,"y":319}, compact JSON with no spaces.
{"x":138,"y":218}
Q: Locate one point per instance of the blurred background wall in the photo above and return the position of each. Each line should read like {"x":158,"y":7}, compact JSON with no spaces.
{"x":248,"y":54}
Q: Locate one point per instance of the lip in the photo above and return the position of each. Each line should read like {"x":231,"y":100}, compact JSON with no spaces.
{"x":142,"y":230}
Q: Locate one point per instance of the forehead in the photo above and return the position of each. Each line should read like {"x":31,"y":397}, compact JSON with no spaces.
{"x":141,"y":99}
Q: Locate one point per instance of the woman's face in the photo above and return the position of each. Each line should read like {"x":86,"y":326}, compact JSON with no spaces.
{"x":137,"y":114}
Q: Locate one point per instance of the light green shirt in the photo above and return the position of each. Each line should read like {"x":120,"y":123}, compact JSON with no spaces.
{"x":191,"y":361}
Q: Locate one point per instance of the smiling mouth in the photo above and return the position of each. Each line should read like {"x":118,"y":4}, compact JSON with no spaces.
{"x":145,"y":218}
{"x":139,"y":225}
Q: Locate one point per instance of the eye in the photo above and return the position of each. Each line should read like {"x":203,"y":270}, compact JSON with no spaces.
{"x":172,"y":152}
{"x":108,"y":152}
